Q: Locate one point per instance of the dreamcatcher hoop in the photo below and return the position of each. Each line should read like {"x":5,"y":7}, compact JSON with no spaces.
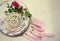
{"x":25,"y":27}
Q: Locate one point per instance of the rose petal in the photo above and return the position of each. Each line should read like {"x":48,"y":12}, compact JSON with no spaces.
{"x":20,"y":7}
{"x":14,"y":3}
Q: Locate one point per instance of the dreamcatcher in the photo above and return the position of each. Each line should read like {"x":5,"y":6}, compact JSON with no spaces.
{"x":17,"y":21}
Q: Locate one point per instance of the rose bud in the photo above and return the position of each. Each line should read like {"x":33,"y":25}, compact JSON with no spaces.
{"x":14,"y":3}
{"x":20,"y":7}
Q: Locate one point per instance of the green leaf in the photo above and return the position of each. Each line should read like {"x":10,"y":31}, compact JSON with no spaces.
{"x":25,"y":9}
{"x":16,"y":8}
{"x":10,"y":6}
{"x":7,"y":5}
{"x":28,"y":14}
{"x":5,"y":11}
{"x":19,"y":11}
{"x":22,"y":14}
{"x":10,"y":10}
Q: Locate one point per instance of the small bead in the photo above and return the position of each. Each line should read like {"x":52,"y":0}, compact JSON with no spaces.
{"x":25,"y":34}
{"x":31,"y":26}
{"x":32,"y":30}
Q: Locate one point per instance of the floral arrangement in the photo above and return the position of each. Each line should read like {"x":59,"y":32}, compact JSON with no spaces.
{"x":16,"y":7}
